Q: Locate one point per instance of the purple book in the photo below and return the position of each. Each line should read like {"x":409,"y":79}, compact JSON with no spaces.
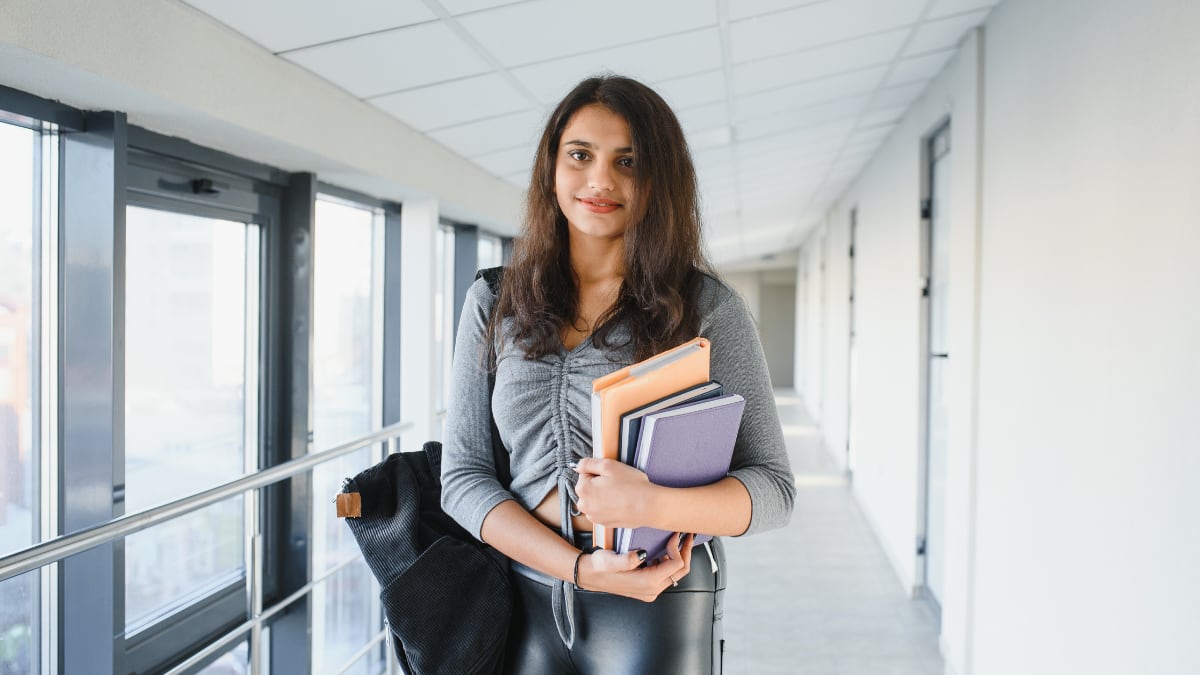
{"x":685,"y":446}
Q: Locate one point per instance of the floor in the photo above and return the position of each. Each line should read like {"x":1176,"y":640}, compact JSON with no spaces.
{"x":819,"y":596}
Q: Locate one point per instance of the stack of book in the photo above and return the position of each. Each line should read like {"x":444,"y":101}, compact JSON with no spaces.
{"x":666,"y":417}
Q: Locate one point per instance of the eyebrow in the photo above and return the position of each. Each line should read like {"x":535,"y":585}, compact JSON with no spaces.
{"x":592,"y":147}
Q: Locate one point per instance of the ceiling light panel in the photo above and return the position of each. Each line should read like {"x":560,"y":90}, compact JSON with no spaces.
{"x":943,"y":33}
{"x":496,"y":133}
{"x":650,"y":61}
{"x":388,"y":62}
{"x":810,"y":64}
{"x":449,"y":103}
{"x":819,"y":24}
{"x":531,"y":32}
{"x":310,"y":22}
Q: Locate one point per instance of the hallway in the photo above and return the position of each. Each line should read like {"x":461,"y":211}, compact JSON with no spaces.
{"x":819,"y":598}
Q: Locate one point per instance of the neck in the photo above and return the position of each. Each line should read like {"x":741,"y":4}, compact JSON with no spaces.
{"x":597,"y":260}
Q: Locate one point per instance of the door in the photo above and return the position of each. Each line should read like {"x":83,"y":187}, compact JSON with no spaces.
{"x":937,"y":356}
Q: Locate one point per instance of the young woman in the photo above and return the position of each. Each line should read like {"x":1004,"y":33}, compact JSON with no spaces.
{"x":608,"y":271}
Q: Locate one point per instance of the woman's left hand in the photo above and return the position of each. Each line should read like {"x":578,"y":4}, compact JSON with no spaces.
{"x":613,"y":493}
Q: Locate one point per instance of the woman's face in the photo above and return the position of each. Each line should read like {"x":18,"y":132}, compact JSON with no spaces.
{"x":593,"y":173}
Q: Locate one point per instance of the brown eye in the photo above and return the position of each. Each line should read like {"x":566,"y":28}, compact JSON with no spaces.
{"x":626,"y":162}
{"x":577,"y":155}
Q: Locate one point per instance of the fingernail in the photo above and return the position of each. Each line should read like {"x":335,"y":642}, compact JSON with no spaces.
{"x":641,"y":556}
{"x":574,"y":466}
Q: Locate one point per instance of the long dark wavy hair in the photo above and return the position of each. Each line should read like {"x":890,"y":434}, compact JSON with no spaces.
{"x":663,"y":264}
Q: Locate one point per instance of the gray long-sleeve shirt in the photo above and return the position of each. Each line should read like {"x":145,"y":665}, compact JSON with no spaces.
{"x":543,"y":412}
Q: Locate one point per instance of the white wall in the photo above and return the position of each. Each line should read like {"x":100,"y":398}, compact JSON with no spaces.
{"x":176,"y":71}
{"x":418,"y":227}
{"x":1073,"y":479}
{"x":1088,"y":539}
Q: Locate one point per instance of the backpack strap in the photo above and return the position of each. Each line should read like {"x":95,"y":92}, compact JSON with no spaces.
{"x":493,"y":276}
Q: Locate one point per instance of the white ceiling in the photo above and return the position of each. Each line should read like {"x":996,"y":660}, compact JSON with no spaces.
{"x":783,"y":101}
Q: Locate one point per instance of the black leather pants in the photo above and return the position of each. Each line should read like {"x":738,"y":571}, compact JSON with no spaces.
{"x":679,"y":632}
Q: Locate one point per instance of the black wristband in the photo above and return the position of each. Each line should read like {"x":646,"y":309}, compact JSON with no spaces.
{"x":583,"y":552}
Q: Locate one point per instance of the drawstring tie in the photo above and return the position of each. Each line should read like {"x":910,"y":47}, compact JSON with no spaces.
{"x":562,"y":599}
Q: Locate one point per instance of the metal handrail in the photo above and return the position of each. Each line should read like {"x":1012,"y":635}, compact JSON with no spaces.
{"x":53,"y":550}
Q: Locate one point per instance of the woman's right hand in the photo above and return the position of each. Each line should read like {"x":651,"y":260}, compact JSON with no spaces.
{"x":621,"y":574}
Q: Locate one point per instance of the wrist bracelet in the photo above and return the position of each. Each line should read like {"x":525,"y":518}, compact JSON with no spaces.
{"x":583,"y":552}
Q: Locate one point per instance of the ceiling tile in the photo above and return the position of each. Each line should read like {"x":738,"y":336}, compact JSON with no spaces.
{"x":742,"y":9}
{"x":899,"y":96}
{"x":704,"y":117}
{"x":878,"y":117}
{"x":788,"y":123}
{"x":492,"y":134}
{"x":518,"y":34}
{"x":919,"y":68}
{"x":449,"y":103}
{"x":793,"y":144}
{"x":806,"y":94}
{"x":506,"y":162}
{"x":387,"y":62}
{"x":456,"y":7}
{"x":519,"y":179}
{"x":693,"y":90}
{"x":712,"y":159}
{"x":309,"y":22}
{"x":650,"y":61}
{"x":818,"y":24}
{"x":708,"y":138}
{"x":943,"y":33}
{"x":785,"y":69}
{"x":718,"y":201}
{"x":946,"y":7}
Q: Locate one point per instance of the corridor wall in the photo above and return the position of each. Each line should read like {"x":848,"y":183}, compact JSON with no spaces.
{"x":1070,"y":540}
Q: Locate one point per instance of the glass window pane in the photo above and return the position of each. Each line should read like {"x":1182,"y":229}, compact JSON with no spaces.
{"x":18,"y":625}
{"x":18,"y":520}
{"x":236,"y":661}
{"x":185,"y":402}
{"x":489,"y":252}
{"x":349,"y":618}
{"x":344,"y":408}
{"x":19,"y":457}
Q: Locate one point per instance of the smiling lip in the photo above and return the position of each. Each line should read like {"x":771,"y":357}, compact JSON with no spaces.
{"x":599,"y":205}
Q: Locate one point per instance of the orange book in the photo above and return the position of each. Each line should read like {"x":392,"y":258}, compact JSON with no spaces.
{"x":634,"y":386}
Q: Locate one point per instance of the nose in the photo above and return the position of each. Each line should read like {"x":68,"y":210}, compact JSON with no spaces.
{"x":600,"y":177}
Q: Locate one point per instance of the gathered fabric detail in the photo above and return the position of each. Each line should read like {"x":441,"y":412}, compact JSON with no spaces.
{"x":563,"y":595}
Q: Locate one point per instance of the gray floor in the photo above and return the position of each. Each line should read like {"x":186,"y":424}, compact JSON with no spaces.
{"x":819,"y":597}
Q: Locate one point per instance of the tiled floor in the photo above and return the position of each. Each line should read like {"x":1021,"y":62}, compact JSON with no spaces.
{"x":818,"y":597}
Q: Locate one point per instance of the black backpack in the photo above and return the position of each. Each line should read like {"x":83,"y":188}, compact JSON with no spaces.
{"x":446,"y":595}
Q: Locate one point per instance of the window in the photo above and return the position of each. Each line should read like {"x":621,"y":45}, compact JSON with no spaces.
{"x":347,"y":396}
{"x":490,"y":251}
{"x":189,"y":348}
{"x":27,"y":177}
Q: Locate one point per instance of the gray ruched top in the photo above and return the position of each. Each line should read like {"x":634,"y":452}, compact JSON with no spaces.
{"x":543,"y":413}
